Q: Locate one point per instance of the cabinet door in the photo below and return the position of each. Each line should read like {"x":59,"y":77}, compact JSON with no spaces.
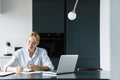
{"x":3,"y":61}
{"x":83,"y":33}
{"x":48,"y":16}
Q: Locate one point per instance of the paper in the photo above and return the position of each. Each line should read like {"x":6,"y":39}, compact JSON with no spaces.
{"x":5,"y":73}
{"x":49,"y":74}
{"x":26,"y":70}
{"x":31,"y":72}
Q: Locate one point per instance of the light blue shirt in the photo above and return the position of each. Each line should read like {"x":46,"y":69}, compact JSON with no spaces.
{"x":21,"y":58}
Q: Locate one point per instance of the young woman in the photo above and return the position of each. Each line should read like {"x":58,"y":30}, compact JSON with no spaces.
{"x":30,"y":57}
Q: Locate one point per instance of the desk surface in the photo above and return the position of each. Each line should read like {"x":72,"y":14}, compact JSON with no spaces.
{"x":86,"y":75}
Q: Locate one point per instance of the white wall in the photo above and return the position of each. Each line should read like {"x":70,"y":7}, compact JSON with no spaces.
{"x":105,"y":34}
{"x":110,"y":37}
{"x":15,"y":22}
{"x":0,"y":6}
{"x":115,"y":39}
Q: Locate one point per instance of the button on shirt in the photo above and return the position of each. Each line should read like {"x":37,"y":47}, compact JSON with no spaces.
{"x":21,"y":58}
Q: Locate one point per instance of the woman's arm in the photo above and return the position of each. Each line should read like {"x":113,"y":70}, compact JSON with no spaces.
{"x":13,"y":65}
{"x":15,"y":69}
{"x":46,"y":61}
{"x":37,"y":67}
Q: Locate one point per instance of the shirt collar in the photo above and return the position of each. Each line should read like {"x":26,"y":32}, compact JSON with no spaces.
{"x":33,"y":54}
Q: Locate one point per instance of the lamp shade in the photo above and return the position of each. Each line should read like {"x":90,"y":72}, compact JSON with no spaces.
{"x":72,"y":15}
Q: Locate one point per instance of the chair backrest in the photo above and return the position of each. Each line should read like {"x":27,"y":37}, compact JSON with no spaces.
{"x":90,"y":69}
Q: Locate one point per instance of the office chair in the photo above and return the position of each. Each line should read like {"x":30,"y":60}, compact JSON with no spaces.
{"x":90,"y":69}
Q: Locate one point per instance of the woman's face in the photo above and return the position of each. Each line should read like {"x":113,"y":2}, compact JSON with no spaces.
{"x":32,"y":43}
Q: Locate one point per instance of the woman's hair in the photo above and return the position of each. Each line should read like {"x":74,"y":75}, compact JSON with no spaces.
{"x":35,"y":35}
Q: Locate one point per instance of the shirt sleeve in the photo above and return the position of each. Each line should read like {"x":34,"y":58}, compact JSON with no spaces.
{"x":46,"y":60}
{"x":12,"y":63}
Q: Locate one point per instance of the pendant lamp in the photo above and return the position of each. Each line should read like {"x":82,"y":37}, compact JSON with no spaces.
{"x":72,"y":14}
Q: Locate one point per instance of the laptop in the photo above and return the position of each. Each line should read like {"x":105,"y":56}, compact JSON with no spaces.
{"x":67,"y":64}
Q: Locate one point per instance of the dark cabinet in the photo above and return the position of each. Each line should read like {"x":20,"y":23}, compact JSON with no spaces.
{"x":53,"y":43}
{"x":48,"y":16}
{"x":81,"y":36}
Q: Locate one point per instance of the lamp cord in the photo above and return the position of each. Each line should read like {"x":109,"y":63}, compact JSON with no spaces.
{"x":75,"y":6}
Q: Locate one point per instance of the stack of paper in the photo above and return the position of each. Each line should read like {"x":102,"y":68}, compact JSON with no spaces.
{"x":5,"y":73}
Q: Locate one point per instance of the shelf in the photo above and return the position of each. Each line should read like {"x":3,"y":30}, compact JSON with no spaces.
{"x":52,"y":38}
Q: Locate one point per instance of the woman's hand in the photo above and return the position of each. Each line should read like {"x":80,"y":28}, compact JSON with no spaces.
{"x":19,"y":69}
{"x":32,"y":67}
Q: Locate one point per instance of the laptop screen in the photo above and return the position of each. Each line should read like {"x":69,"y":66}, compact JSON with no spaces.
{"x":67,"y":63}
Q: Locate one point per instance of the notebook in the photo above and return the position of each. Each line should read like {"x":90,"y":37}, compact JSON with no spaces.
{"x":67,"y":64}
{"x":2,"y":74}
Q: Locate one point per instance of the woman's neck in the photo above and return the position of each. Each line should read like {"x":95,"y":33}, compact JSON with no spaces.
{"x":31,"y":52}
